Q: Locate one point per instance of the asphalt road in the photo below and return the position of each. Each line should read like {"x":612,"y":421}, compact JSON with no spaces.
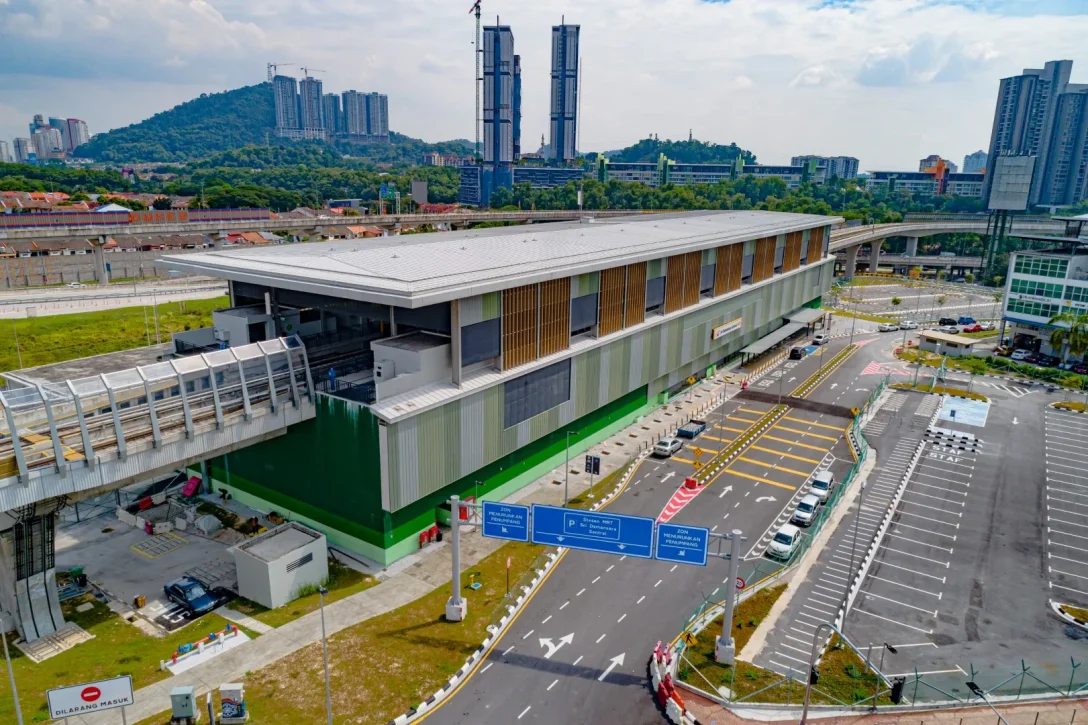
{"x":599,"y":616}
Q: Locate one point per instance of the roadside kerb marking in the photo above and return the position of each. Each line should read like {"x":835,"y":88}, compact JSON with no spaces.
{"x":809,"y":422}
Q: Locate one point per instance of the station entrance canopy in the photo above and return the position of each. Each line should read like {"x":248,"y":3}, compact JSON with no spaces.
{"x":765,"y":343}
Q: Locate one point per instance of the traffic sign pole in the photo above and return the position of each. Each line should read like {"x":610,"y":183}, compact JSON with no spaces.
{"x":456,"y":606}
{"x":725,"y":648}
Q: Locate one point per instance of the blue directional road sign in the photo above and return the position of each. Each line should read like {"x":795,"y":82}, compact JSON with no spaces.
{"x":593,"y":531}
{"x":682,"y":544}
{"x":506,"y":521}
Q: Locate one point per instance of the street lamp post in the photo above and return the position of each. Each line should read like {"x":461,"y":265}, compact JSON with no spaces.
{"x":853,"y":320}
{"x":853,"y":548}
{"x":724,"y":647}
{"x":11,"y":675}
{"x":812,"y":669}
{"x":566,"y":473}
{"x":979,"y":692}
{"x":880,"y":669}
{"x":325,"y":653}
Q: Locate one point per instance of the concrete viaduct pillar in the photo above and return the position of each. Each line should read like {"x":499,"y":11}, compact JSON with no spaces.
{"x":874,"y":255}
{"x":912,"y":247}
{"x":851,"y":262}
{"x":100,"y":274}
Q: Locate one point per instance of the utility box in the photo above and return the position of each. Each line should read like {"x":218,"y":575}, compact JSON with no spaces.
{"x":273,"y":567}
{"x":232,"y":698}
{"x":183,"y":706}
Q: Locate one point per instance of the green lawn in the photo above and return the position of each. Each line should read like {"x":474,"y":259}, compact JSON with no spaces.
{"x":941,"y":390}
{"x":1076,"y":613}
{"x":56,"y":338}
{"x":118,"y":648}
{"x":343,"y":582}
{"x":980,"y":335}
{"x":863,"y":316}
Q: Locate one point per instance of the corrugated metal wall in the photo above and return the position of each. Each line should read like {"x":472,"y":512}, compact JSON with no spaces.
{"x":437,"y":447}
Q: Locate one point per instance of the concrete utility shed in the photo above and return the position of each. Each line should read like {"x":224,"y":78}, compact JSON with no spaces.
{"x":273,"y":567}
{"x":951,"y":345}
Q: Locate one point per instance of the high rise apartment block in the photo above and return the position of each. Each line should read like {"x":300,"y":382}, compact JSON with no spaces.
{"x":377,"y":114}
{"x":5,"y":155}
{"x":22,"y":149}
{"x":974,"y":163}
{"x":564,"y":93}
{"x":48,"y":143}
{"x":285,"y":93}
{"x":844,"y":167}
{"x":311,"y":113}
{"x":1040,"y":113}
{"x":334,"y":116}
{"x":304,"y":111}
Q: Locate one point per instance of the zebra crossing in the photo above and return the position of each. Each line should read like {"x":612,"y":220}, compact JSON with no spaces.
{"x":928,"y":406}
{"x":895,"y":402}
{"x":876,"y":426}
{"x":1013,"y":390}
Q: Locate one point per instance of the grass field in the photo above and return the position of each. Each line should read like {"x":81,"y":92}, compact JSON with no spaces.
{"x":118,"y":648}
{"x":941,"y":390}
{"x":56,"y":338}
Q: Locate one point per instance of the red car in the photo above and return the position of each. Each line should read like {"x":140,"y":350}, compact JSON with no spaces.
{"x":973,"y":328}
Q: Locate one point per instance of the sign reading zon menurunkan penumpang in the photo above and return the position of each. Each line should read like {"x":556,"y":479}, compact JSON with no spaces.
{"x":722,"y":330}
{"x":90,"y":697}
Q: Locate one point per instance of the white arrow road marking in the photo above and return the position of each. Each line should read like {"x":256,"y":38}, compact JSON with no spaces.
{"x":791,"y":380}
{"x":617,"y":660}
{"x":1015,"y":421}
{"x":765,"y":498}
{"x":834,"y":385}
{"x":553,"y":648}
{"x":725,"y":490}
{"x":667,"y":476}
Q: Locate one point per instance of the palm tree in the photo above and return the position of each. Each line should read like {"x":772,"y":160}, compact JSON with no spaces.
{"x":1071,"y":335}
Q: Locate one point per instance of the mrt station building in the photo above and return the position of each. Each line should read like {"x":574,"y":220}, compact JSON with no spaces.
{"x":457,"y":363}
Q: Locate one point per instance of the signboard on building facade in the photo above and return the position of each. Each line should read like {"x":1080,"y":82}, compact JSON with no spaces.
{"x":723,"y":330}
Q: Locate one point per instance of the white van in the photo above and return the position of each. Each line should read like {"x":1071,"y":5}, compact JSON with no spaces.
{"x":823,"y":485}
{"x":784,"y":542}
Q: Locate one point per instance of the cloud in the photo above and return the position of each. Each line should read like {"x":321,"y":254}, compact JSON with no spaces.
{"x":925,"y":59}
{"x":815,"y":76}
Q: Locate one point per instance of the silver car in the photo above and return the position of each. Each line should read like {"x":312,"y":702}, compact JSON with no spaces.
{"x":806,"y":510}
{"x":667,"y":446}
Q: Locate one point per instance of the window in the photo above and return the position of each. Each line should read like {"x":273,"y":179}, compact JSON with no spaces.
{"x":583,"y":314}
{"x":1076,"y":294}
{"x":655,"y":294}
{"x":1038,"y":309}
{"x":1037,"y":289}
{"x":1041,"y":266}
{"x":480,"y":341}
{"x":535,"y":392}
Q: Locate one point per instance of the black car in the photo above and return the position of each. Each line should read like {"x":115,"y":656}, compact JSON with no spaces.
{"x":945,"y":321}
{"x":1049,"y":360}
{"x":191,"y":596}
{"x":797,"y":353}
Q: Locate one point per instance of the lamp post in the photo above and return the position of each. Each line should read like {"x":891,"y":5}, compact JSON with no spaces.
{"x":812,"y":669}
{"x":978,"y":691}
{"x":853,"y":548}
{"x":724,"y":647}
{"x":566,"y":473}
{"x":11,"y":674}
{"x":325,"y":653}
{"x":880,"y":669}
{"x":853,"y":320}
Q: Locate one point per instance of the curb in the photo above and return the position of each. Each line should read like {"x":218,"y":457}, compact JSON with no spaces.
{"x":1067,"y":617}
{"x":484,"y":649}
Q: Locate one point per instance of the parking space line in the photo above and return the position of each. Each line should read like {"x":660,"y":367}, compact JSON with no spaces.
{"x":939,"y":498}
{"x":786,"y":455}
{"x":773,"y":466}
{"x":1059,"y":571}
{"x":825,"y":612}
{"x":1067,"y":483}
{"x":1068,"y":523}
{"x":806,"y":433}
{"x":808,"y":631}
{"x":812,"y":422}
{"x":941,"y":579}
{"x":899,"y":601}
{"x":905,"y":586}
{"x":1050,"y":555}
{"x":833,"y":600}
{"x":945,"y":462}
{"x":780,"y":654}
{"x":760,"y":413}
{"x":894,"y":621}
{"x":932,"y":508}
{"x":828,"y":589}
{"x":741,"y":420}
{"x":1068,"y":589}
{"x":1065,"y":533}
{"x":939,"y":488}
{"x":1062,"y":490}
{"x":947,"y":564}
{"x":816,"y":619}
{"x":1071,"y":503}
{"x":715,"y":438}
{"x":935,"y":533}
{"x":770,"y":437}
{"x":941,"y":478}
{"x":1062,"y":465}
{"x":761,"y":480}
{"x":797,"y":649}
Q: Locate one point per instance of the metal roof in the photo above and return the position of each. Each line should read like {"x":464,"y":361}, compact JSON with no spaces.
{"x":767,"y":342}
{"x":806,"y":315}
{"x":945,"y":337}
{"x":418,"y":270}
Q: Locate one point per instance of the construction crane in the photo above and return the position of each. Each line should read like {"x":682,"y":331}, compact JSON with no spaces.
{"x":273,"y":68}
{"x":476,"y":9}
{"x":306,"y":71}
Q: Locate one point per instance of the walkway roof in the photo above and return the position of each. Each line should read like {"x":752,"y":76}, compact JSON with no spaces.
{"x":764,"y":344}
{"x":806,"y":315}
{"x":418,"y":270}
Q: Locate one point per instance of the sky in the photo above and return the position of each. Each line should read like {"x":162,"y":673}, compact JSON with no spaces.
{"x":886,"y":81}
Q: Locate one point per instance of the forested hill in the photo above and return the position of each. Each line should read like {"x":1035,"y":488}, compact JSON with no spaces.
{"x":682,"y":152}
{"x":222,"y":122}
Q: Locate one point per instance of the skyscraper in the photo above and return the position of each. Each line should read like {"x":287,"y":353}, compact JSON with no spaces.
{"x":334,"y":117}
{"x":23,"y":148}
{"x":1024,"y":119}
{"x":311,"y":113}
{"x":75,"y":134}
{"x":517,"y":109}
{"x":498,"y":95}
{"x":285,"y":92}
{"x":974,"y":163}
{"x":48,"y":143}
{"x":377,"y":114}
{"x":354,"y":108}
{"x":5,"y":157}
{"x":844,"y":167}
{"x":1063,"y":178}
{"x":564,"y":103}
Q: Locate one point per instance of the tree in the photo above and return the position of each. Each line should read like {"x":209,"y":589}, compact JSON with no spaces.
{"x":915,"y":272}
{"x":969,"y":278}
{"x":974,"y":366}
{"x":162,"y":203}
{"x":941,"y":299}
{"x":896,"y":301}
{"x":1071,"y":333}
{"x":133,"y":204}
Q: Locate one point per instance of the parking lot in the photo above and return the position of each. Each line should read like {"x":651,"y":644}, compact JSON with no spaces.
{"x":1067,"y":506}
{"x":921,"y":303}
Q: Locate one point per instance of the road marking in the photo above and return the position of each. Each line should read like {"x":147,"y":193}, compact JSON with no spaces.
{"x":595,"y":580}
{"x":683,"y":460}
{"x":658,"y":583}
{"x":564,"y":605}
{"x":812,"y":422}
{"x":786,"y":455}
{"x":600,"y":638}
{"x":640,"y":599}
{"x":507,"y":650}
{"x":806,"y":433}
{"x":893,"y":621}
{"x":715,"y":438}
{"x":623,"y":617}
{"x":546,"y":619}
{"x":528,"y":633}
{"x":772,"y":466}
{"x":905,"y":586}
{"x":553,"y":684}
{"x":947,"y":564}
{"x":896,"y":601}
{"x":580,"y":592}
{"x":610,"y":568}
{"x":761,"y":480}
{"x":794,"y":443}
{"x":673,"y":568}
{"x":760,"y":413}
{"x":741,"y":420}
{"x":527,"y":709}
{"x":577,"y":660}
{"x":732,"y":430}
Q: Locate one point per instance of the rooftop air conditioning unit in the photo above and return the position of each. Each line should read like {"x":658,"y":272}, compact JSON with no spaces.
{"x":384,"y":370}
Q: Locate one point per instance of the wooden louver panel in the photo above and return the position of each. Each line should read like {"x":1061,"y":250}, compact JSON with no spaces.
{"x":554,"y":315}
{"x":763,"y":265}
{"x":519,"y":333}
{"x":816,"y":244}
{"x":635,"y":312}
{"x":693,"y":262}
{"x":791,"y":260}
{"x":610,"y":315}
{"x":728,"y":272}
{"x":674,"y":284}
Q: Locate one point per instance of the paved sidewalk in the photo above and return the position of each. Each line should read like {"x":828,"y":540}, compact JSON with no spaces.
{"x":416,"y":575}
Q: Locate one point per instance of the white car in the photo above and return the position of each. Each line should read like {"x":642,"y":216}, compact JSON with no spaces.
{"x":908,"y":325}
{"x":784,"y":542}
{"x":887,"y":327}
{"x":821,"y":338}
{"x":76,"y":285}
{"x":1020,"y":354}
{"x":987,"y":326}
{"x":667,"y":446}
{"x":949,"y":329}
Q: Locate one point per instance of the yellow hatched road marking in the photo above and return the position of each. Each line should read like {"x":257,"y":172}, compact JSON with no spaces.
{"x":742,"y":420}
{"x":806,"y":433}
{"x":732,"y":430}
{"x":749,"y":410}
{"x":762,"y":480}
{"x":773,"y":466}
{"x":683,"y":460}
{"x":794,"y":443}
{"x":787,"y":455}
{"x":809,"y":422}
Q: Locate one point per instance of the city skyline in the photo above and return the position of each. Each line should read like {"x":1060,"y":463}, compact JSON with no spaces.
{"x":868,"y":54}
